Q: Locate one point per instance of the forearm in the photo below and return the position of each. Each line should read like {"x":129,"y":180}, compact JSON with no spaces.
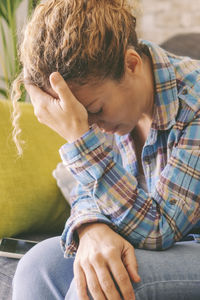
{"x":150,"y":222}
{"x":145,"y":231}
{"x":84,"y":211}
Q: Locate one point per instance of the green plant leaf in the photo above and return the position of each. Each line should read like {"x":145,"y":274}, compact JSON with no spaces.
{"x":32,"y":5}
{"x":3,"y":92}
{"x":5,"y":6}
{"x":16,"y":4}
{"x":9,"y":60}
{"x":2,"y":78}
{"x":4,"y":11}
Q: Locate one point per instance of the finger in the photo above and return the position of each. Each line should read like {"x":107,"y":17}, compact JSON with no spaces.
{"x":93,"y":283}
{"x":37,"y":95}
{"x":130,"y":263}
{"x":106,"y":281}
{"x":60,"y":86}
{"x":122,"y":278}
{"x":81,"y":284}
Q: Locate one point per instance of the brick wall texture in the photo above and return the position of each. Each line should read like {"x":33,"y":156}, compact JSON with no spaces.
{"x":158,"y":20}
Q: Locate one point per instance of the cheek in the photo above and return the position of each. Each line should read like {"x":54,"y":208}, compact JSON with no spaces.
{"x":109,"y":116}
{"x":112,"y":114}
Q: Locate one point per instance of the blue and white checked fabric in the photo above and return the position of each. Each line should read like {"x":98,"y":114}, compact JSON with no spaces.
{"x":107,"y":170}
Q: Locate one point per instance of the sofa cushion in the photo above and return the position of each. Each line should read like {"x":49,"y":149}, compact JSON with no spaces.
{"x":30,"y":200}
{"x":7,"y":270}
{"x":187,"y":44}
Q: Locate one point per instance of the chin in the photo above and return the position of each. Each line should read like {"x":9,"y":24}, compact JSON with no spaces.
{"x":123,"y":131}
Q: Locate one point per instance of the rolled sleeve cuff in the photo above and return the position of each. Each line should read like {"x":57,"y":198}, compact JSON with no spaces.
{"x":69,"y":238}
{"x":71,"y":152}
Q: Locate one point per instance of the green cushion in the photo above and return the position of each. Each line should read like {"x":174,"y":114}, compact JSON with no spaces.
{"x":30,"y":200}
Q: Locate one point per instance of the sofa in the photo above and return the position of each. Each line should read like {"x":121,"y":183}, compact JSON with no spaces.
{"x":32,"y":205}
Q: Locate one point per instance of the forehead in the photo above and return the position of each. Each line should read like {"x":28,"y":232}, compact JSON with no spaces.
{"x":98,"y":91}
{"x":87,"y":93}
{"x":91,"y":92}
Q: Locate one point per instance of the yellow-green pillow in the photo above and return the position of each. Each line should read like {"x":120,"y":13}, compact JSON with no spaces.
{"x":30,"y":200}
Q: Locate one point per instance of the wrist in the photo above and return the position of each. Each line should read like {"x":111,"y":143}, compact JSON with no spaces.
{"x":76,"y":133}
{"x":88,"y":227}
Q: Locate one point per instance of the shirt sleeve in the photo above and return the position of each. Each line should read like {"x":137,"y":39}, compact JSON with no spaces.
{"x":83,"y":210}
{"x":114,"y":197}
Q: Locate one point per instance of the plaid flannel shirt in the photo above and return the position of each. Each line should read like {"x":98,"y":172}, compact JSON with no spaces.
{"x":106,"y":168}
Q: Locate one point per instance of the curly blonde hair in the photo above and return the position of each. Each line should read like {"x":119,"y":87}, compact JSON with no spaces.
{"x":81,"y":39}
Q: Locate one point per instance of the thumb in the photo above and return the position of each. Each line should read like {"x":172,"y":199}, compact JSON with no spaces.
{"x":130,"y":263}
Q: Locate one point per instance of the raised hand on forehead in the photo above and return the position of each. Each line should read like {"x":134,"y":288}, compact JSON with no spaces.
{"x":64,"y":114}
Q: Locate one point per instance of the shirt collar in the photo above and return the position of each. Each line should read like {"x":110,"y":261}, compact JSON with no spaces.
{"x":166,"y":100}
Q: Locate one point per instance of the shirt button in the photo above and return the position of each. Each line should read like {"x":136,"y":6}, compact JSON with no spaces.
{"x":147,"y":161}
{"x":172,"y":201}
{"x":184,"y":92}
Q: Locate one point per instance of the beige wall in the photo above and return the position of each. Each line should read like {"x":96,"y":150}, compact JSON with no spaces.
{"x":162,"y":19}
{"x":22,"y":12}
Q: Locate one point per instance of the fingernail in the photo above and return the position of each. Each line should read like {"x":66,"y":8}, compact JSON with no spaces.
{"x":139,"y":278}
{"x":55,"y":77}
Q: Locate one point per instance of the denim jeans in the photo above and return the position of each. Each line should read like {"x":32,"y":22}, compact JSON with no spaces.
{"x":44,"y":274}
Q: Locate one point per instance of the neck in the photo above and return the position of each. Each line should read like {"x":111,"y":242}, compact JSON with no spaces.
{"x":149,"y":104}
{"x":143,"y":126}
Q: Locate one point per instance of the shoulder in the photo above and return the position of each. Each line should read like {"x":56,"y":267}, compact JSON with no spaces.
{"x":179,"y":78}
{"x":187,"y":73}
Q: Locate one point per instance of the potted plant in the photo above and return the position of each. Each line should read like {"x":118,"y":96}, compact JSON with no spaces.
{"x":9,"y":61}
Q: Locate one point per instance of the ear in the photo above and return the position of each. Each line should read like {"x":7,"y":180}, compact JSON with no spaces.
{"x":133,"y":62}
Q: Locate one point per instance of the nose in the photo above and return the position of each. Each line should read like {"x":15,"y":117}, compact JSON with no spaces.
{"x":92,"y":119}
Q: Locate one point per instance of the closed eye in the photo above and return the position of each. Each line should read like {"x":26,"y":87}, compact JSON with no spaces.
{"x":96,"y":113}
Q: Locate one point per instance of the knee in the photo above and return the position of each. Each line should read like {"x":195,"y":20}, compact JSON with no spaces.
{"x":34,"y":264}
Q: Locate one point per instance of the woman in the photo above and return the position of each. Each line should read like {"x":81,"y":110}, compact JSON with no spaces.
{"x":130,"y":113}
